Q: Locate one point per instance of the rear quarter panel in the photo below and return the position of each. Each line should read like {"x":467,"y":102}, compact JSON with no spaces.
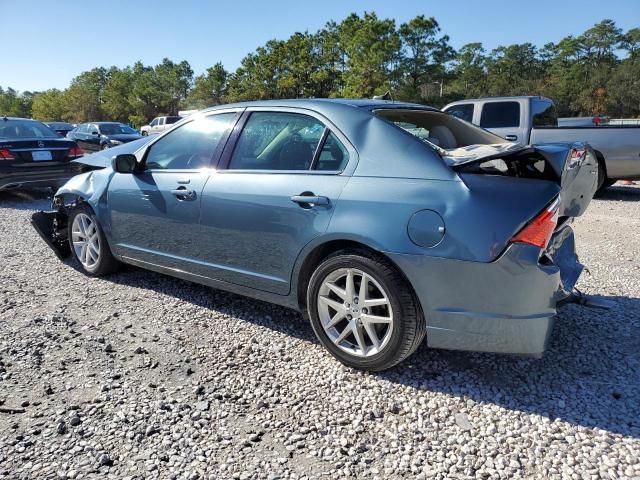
{"x":480,"y":214}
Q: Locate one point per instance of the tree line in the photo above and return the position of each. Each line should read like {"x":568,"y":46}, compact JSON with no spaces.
{"x":595,"y":73}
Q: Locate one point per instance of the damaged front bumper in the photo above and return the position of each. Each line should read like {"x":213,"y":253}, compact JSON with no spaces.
{"x":51,"y":226}
{"x":505,"y":306}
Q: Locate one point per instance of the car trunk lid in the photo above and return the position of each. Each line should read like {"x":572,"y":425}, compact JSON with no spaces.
{"x":29,"y":151}
{"x":573,"y":166}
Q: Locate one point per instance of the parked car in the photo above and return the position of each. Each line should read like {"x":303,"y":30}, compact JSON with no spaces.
{"x":534,"y":120}
{"x":159,"y":125}
{"x":33,"y":155}
{"x":349,"y":212}
{"x":61,"y":128}
{"x":95,"y":136}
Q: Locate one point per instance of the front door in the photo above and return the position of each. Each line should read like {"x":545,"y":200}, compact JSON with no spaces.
{"x":155,"y":213}
{"x":278,"y":192}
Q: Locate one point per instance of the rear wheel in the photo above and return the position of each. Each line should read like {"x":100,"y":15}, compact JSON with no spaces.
{"x":363,"y":311}
{"x":88,"y":243}
{"x":144,"y":133}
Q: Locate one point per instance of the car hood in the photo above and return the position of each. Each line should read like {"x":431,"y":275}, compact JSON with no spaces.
{"x":102,"y":159}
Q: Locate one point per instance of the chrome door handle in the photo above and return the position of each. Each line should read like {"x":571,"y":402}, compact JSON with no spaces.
{"x":184,"y":193}
{"x":310,"y":200}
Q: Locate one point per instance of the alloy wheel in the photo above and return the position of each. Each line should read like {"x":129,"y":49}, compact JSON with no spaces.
{"x":355,"y":312}
{"x":86,"y":240}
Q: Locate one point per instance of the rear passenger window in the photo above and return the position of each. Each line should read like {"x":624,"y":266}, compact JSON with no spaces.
{"x":277,"y":141}
{"x":463,"y":111}
{"x":500,"y":115}
{"x":333,"y":156}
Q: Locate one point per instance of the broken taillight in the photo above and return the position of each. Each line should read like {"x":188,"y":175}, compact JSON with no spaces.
{"x":538,"y":231}
{"x":6,"y":154}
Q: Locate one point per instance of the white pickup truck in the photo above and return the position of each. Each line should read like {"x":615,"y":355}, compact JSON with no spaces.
{"x":534,"y":120}
{"x":159,"y":125}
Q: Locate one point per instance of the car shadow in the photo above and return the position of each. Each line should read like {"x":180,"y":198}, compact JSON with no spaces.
{"x":32,"y":199}
{"x":623,"y":193}
{"x":589,"y":376}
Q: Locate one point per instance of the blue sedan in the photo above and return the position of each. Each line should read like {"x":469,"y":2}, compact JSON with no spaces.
{"x":383,"y":222}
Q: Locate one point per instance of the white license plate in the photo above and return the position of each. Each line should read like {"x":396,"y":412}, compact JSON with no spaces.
{"x":41,"y":155}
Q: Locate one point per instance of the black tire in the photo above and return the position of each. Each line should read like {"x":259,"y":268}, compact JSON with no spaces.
{"x":104,"y":146}
{"x":144,"y":133}
{"x":106,"y":262}
{"x":408,"y":321}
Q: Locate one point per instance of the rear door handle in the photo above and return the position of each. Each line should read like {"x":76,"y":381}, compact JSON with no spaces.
{"x":310,"y":200}
{"x":511,"y":138}
{"x":184,"y":194}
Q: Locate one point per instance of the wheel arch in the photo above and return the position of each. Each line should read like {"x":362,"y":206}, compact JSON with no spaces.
{"x":320,"y":250}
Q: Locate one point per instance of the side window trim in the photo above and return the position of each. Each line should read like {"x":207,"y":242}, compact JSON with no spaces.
{"x":319,"y":148}
{"x":217,"y":154}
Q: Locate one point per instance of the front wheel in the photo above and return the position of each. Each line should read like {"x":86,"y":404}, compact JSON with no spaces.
{"x":88,"y":243}
{"x":363,"y":311}
{"x":144,"y":133}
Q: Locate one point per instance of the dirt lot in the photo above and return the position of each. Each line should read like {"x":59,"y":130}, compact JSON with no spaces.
{"x":144,"y":376}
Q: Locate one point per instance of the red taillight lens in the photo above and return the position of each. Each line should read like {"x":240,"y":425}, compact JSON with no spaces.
{"x":75,"y":152}
{"x":539,"y":231}
{"x":6,"y":154}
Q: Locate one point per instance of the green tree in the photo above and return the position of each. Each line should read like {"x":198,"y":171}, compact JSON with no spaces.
{"x":14,"y":104}
{"x":371,"y":48}
{"x":209,"y":89}
{"x":117,"y":103}
{"x":424,"y":57}
{"x":85,"y":96}
{"x":50,"y":105}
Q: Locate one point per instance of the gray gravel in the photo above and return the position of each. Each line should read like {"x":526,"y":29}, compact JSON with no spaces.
{"x":143,"y":376}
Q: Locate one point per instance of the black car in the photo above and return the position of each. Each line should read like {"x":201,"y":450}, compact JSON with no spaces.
{"x":61,"y":128}
{"x":95,"y":136}
{"x":33,"y":155}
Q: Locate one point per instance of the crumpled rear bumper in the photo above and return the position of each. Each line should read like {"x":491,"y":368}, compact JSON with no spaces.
{"x":505,"y":306}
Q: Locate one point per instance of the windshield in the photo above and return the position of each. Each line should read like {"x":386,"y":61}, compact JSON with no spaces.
{"x":25,"y":129}
{"x":116,"y":129}
{"x":439,"y":129}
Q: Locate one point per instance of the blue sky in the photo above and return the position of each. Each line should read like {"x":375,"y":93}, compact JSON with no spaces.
{"x":47,"y":42}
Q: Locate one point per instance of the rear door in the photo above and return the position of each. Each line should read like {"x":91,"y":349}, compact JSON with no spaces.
{"x":285,"y":171}
{"x":155,"y":213}
{"x":505,"y":118}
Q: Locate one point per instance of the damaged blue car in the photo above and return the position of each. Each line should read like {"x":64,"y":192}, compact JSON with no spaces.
{"x":383,"y":222}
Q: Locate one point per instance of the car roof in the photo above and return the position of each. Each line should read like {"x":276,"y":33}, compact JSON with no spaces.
{"x":320,"y":104}
{"x":498,"y":99}
{"x":19,"y":118}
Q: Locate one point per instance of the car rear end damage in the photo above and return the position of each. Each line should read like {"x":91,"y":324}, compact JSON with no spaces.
{"x":508,"y":305}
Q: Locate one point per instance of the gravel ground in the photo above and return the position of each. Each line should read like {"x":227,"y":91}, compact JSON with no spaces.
{"x":144,"y":376}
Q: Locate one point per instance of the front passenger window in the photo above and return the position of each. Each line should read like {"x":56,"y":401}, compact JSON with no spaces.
{"x":191,"y":146}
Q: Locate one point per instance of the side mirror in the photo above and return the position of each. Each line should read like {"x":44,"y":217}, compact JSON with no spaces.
{"x":124,"y":163}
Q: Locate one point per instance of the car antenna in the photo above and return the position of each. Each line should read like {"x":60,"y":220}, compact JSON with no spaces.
{"x":386,"y":96}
